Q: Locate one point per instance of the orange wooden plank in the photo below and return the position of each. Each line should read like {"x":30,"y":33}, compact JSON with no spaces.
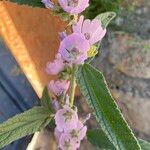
{"x":32,"y":36}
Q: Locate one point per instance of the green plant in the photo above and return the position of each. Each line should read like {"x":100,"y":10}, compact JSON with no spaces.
{"x":72,"y":65}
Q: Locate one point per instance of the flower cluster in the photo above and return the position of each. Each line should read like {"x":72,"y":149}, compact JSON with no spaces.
{"x":73,"y":51}
{"x":69,"y":129}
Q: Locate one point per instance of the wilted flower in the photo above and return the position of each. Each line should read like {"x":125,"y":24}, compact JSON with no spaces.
{"x":91,"y":29}
{"x":74,"y":48}
{"x":55,"y":67}
{"x":74,"y":6}
{"x":58,"y":87}
{"x":66,"y":119}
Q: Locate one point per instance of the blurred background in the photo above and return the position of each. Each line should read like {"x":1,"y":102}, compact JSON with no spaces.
{"x":124,"y":58}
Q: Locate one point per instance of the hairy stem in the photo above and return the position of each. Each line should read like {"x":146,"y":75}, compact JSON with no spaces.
{"x":72,"y":86}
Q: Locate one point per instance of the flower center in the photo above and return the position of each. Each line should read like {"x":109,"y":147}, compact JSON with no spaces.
{"x":67,"y":144}
{"x":74,"y":53}
{"x":74,"y":134}
{"x":68,"y":115}
{"x":61,"y":92}
{"x":73,"y":3}
{"x":87,"y":36}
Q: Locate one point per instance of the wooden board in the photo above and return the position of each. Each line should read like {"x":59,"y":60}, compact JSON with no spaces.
{"x":32,"y":36}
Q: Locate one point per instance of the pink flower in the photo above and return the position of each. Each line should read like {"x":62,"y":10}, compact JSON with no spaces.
{"x":74,"y":48}
{"x":48,"y":4}
{"x":65,"y":143}
{"x":71,"y":139}
{"x":74,"y":6}
{"x":66,"y":119}
{"x":77,"y":134}
{"x":55,"y":67}
{"x":58,"y":88}
{"x":55,"y":105}
{"x":92,"y":30}
{"x":57,"y":134}
{"x":62,"y":35}
{"x":69,"y":130}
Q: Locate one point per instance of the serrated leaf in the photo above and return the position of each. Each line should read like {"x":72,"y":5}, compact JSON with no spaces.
{"x":24,"y":124}
{"x":144,"y":145}
{"x":32,"y":3}
{"x":98,"y":138}
{"x":106,"y":18}
{"x":94,"y":88}
{"x":46,"y":100}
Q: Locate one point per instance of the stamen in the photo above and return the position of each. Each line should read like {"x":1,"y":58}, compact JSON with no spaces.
{"x":74,"y":133}
{"x":87,"y":36}
{"x":67,"y":144}
{"x":73,"y":53}
{"x":68,"y":115}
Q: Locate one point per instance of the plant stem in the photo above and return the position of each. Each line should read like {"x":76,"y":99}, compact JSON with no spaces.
{"x":72,"y":86}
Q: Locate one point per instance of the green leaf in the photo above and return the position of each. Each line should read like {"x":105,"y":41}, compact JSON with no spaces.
{"x":95,"y":90}
{"x":46,"y":100}
{"x":24,"y":124}
{"x":144,"y":145}
{"x":98,"y":138}
{"x":33,"y":3}
{"x":106,"y":18}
